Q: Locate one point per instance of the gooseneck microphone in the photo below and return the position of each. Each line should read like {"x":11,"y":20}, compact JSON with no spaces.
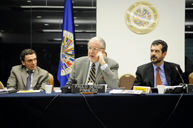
{"x":68,"y":87}
{"x":180,"y":75}
{"x":180,"y":89}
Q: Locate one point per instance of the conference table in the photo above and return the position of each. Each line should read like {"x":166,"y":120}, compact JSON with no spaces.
{"x":75,"y":110}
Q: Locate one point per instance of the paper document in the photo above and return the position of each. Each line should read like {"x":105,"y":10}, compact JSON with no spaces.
{"x":172,"y":87}
{"x":58,"y":90}
{"x":145,"y":89}
{"x":114,"y":91}
{"x":27,"y":91}
{"x":4,"y":91}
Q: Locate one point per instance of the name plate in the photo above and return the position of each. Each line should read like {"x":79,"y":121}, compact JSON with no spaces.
{"x":145,"y":89}
{"x":100,"y":88}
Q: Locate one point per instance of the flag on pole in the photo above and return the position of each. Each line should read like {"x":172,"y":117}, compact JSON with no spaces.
{"x":67,"y":51}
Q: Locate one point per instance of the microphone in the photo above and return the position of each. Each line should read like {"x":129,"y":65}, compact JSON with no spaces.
{"x":180,"y":75}
{"x":177,"y":89}
{"x":68,"y":87}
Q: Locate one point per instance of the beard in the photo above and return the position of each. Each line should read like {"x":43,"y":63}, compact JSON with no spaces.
{"x":156,"y":61}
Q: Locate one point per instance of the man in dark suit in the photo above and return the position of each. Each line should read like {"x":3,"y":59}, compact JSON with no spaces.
{"x":105,"y":70}
{"x":19,"y":77}
{"x":168,"y":72}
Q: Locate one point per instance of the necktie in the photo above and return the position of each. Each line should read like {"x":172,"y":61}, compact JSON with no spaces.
{"x":158,"y":79}
{"x":91,"y":78}
{"x":29,"y":80}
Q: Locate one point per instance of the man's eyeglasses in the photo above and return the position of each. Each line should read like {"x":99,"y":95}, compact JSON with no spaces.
{"x":94,"y":49}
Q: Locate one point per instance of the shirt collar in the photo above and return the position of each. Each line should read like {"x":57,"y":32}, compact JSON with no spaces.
{"x":29,"y":70}
{"x":161,"y":67}
{"x":96,"y":64}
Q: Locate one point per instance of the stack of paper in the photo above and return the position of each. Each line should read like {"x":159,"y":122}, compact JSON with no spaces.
{"x":3,"y":91}
{"x":114,"y":91}
{"x":27,"y":91}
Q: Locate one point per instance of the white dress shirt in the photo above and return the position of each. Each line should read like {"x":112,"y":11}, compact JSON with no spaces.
{"x":96,"y":69}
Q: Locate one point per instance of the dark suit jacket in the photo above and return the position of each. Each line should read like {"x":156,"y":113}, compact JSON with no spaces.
{"x":145,"y":74}
{"x":80,"y":70}
{"x":18,"y":78}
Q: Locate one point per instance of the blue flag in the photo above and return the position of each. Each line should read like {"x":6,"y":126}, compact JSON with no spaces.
{"x":67,"y":51}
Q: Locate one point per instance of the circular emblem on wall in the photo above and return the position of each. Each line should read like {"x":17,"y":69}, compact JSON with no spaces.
{"x":141,"y":17}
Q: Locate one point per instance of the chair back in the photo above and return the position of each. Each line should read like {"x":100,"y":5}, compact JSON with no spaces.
{"x":51,"y":81}
{"x":190,"y":78}
{"x":126,"y":81}
{"x":1,"y":85}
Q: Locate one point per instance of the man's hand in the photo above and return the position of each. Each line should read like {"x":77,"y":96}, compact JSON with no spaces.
{"x":100,"y":57}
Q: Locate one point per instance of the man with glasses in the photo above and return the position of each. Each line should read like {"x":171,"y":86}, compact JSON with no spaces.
{"x":95,"y":68}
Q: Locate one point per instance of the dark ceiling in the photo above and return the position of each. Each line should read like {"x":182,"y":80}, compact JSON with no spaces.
{"x":41,"y":20}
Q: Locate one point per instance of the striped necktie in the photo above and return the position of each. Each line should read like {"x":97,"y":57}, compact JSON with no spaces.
{"x":91,"y":78}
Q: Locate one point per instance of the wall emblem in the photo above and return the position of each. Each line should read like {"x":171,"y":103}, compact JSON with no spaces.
{"x":141,"y":17}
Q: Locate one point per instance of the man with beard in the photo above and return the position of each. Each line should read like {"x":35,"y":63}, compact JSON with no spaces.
{"x":95,"y":68}
{"x":158,"y":71}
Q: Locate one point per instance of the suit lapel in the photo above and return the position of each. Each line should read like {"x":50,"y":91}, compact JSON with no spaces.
{"x":35,"y":77}
{"x":150,"y":74}
{"x":167,"y":72}
{"x":24,"y":76}
{"x":85,"y":70}
{"x":99,"y":74}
